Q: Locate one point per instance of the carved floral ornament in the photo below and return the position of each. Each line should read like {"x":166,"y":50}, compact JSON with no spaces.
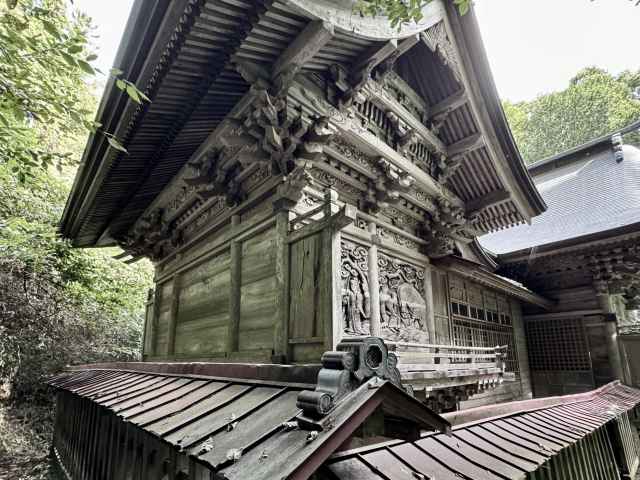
{"x":152,"y":236}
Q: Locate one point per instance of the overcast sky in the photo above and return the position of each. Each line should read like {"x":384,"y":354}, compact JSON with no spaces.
{"x":534,"y":46}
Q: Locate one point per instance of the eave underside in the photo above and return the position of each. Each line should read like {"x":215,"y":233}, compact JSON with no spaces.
{"x":194,"y":85}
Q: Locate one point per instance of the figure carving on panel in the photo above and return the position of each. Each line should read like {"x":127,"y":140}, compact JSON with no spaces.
{"x":356,"y":302}
{"x":403,"y":310}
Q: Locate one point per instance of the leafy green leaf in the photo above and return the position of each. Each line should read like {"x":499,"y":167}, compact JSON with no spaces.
{"x":132,"y":91}
{"x":86,"y":67}
{"x":51,"y":29}
{"x":116,"y":144}
{"x":91,"y":58}
{"x":116,"y":72}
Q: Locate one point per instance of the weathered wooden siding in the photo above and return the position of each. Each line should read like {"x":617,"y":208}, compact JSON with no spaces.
{"x":203,"y":308}
{"x":306,"y":322}
{"x":257,"y":292}
{"x":164,"y":300}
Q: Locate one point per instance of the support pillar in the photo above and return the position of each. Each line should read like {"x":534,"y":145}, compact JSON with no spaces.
{"x":611,"y":329}
{"x":235,"y":267}
{"x":375,"y":327}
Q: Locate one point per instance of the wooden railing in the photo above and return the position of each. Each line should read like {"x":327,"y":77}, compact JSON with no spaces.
{"x":427,"y":357}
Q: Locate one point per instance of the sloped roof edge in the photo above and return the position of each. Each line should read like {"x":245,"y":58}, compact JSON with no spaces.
{"x":477,"y":56}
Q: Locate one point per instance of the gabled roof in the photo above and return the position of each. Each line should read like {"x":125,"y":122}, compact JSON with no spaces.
{"x":240,"y":428}
{"x":588,"y":192}
{"x":529,"y":437}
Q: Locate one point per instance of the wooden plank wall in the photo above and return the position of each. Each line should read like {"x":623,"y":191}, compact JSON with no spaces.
{"x":441,"y":307}
{"x":306,"y":320}
{"x":203,"y":308}
{"x":257,"y":293}
{"x":218,"y":301}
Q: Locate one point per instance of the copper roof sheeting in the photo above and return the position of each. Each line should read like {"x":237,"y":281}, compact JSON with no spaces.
{"x":512,"y":446}
{"x":232,"y":425}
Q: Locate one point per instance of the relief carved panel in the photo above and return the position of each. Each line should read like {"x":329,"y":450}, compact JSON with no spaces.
{"x":403,"y":309}
{"x":356,"y":301}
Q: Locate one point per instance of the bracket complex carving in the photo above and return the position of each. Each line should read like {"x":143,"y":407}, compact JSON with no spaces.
{"x":216,"y":175}
{"x":617,"y":272}
{"x":281,"y":136}
{"x":355,"y":362}
{"x":152,"y":236}
{"x":446,"y":225}
{"x":387,"y":187}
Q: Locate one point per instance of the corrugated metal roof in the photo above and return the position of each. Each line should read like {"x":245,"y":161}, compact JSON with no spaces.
{"x":238,"y":415}
{"x":503,"y":447}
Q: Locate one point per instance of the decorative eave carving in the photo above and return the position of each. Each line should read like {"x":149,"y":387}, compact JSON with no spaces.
{"x":387,"y":188}
{"x":617,"y":272}
{"x":437,"y":40}
{"x":152,"y":236}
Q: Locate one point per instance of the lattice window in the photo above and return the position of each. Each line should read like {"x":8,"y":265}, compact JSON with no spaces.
{"x":557,"y":345}
{"x":482,"y":318}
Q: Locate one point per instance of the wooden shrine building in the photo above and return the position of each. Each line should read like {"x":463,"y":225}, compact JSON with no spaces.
{"x":584,"y":254}
{"x":310,"y":185}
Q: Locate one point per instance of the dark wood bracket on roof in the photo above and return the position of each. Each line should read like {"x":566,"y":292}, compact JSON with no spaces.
{"x":356,"y":361}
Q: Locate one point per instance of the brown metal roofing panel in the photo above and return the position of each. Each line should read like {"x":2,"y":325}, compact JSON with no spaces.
{"x":491,"y":463}
{"x":543,"y":441}
{"x":133,"y":391}
{"x":143,"y":397}
{"x":223,"y":418}
{"x":217,"y":400}
{"x":354,"y":468}
{"x":124,"y":395}
{"x":462,"y":464}
{"x":528,"y":451}
{"x":156,"y":410}
{"x":276,"y":411}
{"x":161,"y":397}
{"x":389,"y":465}
{"x":508,"y":454}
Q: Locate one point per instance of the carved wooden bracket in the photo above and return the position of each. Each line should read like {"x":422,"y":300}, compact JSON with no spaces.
{"x":386,"y":189}
{"x":217,"y":174}
{"x":617,"y":272}
{"x":152,"y":236}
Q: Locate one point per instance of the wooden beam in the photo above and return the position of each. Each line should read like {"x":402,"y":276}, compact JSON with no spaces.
{"x":465,"y":145}
{"x":374,"y":57}
{"x":491,"y":199}
{"x":234,"y":288}
{"x":448,"y":104}
{"x":381,"y":97}
{"x":314,"y":36}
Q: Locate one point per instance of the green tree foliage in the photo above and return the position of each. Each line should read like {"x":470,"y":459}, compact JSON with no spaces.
{"x":58,"y":305}
{"x":400,"y":12}
{"x":45,"y":56}
{"x":595,"y":103}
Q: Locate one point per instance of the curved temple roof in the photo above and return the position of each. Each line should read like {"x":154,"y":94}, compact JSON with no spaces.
{"x":182,"y":54}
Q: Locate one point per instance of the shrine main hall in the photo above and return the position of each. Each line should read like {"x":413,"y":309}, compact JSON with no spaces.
{"x":352,"y":273}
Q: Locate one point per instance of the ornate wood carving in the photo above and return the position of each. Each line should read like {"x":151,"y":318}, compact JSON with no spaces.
{"x":437,"y":40}
{"x":356,"y":301}
{"x":403,"y":310}
{"x":616,"y":272}
{"x":152,"y":236}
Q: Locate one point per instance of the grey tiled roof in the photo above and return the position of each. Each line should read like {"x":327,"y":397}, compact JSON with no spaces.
{"x":589,"y":195}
